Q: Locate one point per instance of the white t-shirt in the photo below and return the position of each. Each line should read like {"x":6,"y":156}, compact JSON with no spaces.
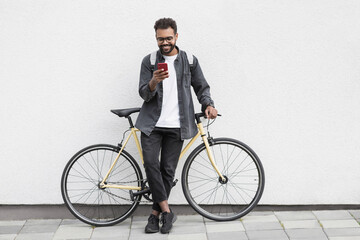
{"x":170,"y":116}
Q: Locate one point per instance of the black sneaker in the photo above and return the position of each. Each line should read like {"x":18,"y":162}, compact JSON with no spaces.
{"x":167,"y":220}
{"x":153,"y":224}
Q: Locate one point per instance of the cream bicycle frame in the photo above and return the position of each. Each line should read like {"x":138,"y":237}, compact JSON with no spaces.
{"x":133,"y":130}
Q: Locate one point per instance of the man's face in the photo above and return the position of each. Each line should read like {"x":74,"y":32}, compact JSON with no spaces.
{"x":166,"y":40}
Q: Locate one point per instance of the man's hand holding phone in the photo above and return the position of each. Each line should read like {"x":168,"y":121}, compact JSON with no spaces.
{"x":159,"y":75}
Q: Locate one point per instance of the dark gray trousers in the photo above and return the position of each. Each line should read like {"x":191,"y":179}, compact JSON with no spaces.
{"x":160,"y":174}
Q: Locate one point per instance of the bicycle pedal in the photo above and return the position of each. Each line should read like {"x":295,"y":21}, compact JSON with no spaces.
{"x":131,"y":195}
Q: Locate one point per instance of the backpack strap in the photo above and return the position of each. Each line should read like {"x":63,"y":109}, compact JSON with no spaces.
{"x":153,"y":60}
{"x":190,"y":58}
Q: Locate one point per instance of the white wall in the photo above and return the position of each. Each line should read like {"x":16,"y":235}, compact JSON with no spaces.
{"x":284,"y":74}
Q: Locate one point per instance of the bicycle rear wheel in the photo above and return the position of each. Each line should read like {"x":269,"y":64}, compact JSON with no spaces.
{"x":223,"y":200}
{"x":80,"y":185}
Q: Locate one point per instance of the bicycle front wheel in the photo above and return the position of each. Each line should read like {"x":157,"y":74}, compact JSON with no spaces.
{"x":221,"y":200}
{"x":80,"y":185}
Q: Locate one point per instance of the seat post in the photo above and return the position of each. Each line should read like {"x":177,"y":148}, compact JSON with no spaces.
{"x":130,"y":122}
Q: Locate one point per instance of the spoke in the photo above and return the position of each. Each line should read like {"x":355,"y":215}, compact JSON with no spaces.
{"x":102,"y":163}
{"x":202,"y":179}
{"x":200,"y":172}
{"x":243,"y":189}
{"x":200,"y":185}
{"x":82,"y":176}
{"x":241,"y":169}
{"x":217,"y":183}
{"x":234,"y":158}
{"x":241,"y":164}
{"x":117,"y":167}
{"x":112,"y":207}
{"x":113,"y":175}
{"x":84,"y":194}
{"x":92,"y":207}
{"x":96,"y":165}
{"x":236,"y":189}
{"x":211,"y":169}
{"x":82,"y":169}
{"x":222,"y":157}
{"x":87,"y":161}
{"x":206,"y":195}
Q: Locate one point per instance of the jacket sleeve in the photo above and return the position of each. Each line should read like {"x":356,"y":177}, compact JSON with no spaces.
{"x":201,"y":87}
{"x":145,"y":77}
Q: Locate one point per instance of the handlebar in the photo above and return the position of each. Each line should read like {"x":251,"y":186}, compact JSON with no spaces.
{"x":200,"y":115}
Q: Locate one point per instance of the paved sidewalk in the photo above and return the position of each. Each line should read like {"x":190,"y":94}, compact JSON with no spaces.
{"x":312,"y":225}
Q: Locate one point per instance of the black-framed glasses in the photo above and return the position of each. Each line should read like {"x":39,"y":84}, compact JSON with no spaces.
{"x":168,"y":39}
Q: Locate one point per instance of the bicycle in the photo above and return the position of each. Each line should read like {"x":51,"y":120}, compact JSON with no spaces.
{"x":222,"y":178}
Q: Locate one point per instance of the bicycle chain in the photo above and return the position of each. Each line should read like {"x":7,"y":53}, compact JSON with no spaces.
{"x":128,"y":181}
{"x":112,"y":194}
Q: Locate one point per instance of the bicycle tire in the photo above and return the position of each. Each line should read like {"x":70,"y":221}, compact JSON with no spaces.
{"x":80,"y":185}
{"x":242,"y":190}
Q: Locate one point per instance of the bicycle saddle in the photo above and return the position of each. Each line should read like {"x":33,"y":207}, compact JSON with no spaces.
{"x":125,"y":112}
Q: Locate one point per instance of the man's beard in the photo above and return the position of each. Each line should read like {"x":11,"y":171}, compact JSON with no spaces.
{"x":169,"y":51}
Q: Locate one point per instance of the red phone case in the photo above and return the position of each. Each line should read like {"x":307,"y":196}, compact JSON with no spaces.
{"x":163,"y":66}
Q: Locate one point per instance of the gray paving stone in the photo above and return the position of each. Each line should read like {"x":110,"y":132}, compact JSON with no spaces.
{"x":249,"y":226}
{"x":139,"y":218}
{"x":336,"y":232}
{"x":110,"y":238}
{"x":260,"y":213}
{"x":211,"y":222}
{"x":139,"y":234}
{"x":71,"y":222}
{"x":269,"y":234}
{"x":37,"y":236}
{"x":10,"y":229}
{"x":190,"y":219}
{"x":261,"y":218}
{"x":345,"y":238}
{"x":355,"y":213}
{"x":112,"y":231}
{"x":310,"y":238}
{"x":225,"y":227}
{"x":347,"y":223}
{"x":227,"y":236}
{"x":43,"y":222}
{"x":138,"y":224}
{"x":306,"y":233}
{"x":295,"y":215}
{"x":73,"y":231}
{"x":183,"y":229}
{"x":301,"y":224}
{"x":39,"y":228}
{"x":12,"y":223}
{"x":332,"y":214}
{"x":196,"y":236}
{"x":7,"y":236}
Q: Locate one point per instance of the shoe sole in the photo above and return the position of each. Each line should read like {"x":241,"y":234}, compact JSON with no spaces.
{"x":151,"y":231}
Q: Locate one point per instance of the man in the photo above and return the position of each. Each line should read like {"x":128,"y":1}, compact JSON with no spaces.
{"x":167,"y":117}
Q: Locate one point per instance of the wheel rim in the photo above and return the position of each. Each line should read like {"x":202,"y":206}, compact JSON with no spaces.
{"x":227,"y":199}
{"x":83,"y":194}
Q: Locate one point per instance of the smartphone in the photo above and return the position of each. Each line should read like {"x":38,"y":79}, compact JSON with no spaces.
{"x":163,"y":66}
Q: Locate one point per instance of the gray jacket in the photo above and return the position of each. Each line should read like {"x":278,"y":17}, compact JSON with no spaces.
{"x":151,"y":108}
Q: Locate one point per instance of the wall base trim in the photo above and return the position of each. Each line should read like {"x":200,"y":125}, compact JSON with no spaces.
{"x":23,"y":212}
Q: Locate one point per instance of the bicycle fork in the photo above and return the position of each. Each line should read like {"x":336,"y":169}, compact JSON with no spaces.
{"x":208,"y":151}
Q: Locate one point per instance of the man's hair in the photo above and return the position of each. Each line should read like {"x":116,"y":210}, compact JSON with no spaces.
{"x":165,"y":23}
